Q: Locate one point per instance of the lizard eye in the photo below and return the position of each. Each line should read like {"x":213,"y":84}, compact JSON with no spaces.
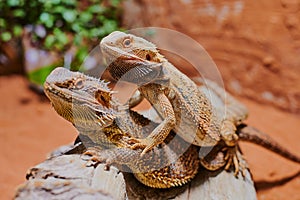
{"x":79,"y":83}
{"x":127,"y":42}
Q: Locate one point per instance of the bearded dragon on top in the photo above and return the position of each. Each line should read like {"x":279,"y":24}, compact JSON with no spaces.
{"x":183,"y":106}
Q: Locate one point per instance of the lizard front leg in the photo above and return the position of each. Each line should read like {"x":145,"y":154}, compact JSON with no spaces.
{"x":156,"y":169}
{"x":162,"y":104}
{"x":111,"y":156}
{"x":154,"y":159}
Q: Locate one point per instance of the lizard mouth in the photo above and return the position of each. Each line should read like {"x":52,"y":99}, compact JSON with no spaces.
{"x":111,"y":54}
{"x":140,"y":73}
{"x":128,"y":67}
{"x":135,"y":62}
{"x":81,"y":110}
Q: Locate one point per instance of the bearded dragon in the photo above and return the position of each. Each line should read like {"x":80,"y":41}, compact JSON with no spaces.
{"x":184,"y":106}
{"x":88,"y":104}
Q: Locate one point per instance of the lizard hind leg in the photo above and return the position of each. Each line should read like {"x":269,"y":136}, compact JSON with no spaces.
{"x":235,"y":159}
{"x":213,"y":161}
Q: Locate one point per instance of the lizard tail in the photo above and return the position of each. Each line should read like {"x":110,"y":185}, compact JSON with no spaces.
{"x":251,"y":134}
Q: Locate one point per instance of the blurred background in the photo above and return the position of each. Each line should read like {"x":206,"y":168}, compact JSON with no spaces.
{"x":255,"y":45}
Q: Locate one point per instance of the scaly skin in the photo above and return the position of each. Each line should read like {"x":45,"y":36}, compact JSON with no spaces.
{"x":190,"y":110}
{"x":166,"y":88}
{"x":184,"y":106}
{"x":88,"y":104}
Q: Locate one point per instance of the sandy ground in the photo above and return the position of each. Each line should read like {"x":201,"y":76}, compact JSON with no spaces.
{"x":30,"y":129}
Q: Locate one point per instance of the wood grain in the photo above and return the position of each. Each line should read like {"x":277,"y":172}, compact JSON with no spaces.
{"x":72,"y":177}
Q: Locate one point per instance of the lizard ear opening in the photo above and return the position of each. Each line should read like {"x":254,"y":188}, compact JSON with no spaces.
{"x":103,"y":98}
{"x":148,"y":57}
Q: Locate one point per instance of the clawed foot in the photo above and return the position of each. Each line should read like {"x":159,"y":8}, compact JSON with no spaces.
{"x":213,"y":163}
{"x":235,"y":158}
{"x":96,"y":157}
{"x":146,"y":144}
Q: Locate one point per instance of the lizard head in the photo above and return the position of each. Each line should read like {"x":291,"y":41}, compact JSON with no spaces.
{"x":80,"y":99}
{"x":131,"y":58}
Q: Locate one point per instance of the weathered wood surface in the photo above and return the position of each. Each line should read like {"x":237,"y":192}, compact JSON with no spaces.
{"x":70,"y":177}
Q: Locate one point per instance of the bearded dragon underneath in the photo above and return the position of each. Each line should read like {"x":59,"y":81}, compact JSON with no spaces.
{"x":88,"y":104}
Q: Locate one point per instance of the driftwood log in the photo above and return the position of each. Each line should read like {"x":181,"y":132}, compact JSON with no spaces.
{"x":70,"y":177}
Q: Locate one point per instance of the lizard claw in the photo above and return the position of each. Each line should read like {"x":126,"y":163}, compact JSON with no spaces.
{"x":235,"y":158}
{"x":146,"y":144}
{"x":133,"y":141}
{"x":96,"y":158}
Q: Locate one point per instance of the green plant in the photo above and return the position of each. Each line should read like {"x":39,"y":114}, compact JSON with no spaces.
{"x":56,"y":25}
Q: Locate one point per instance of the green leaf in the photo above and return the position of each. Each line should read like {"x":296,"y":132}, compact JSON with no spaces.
{"x":69,"y":2}
{"x":39,"y":76}
{"x":49,"y":41}
{"x":44,"y":17}
{"x":109,"y":26}
{"x":70,"y":15}
{"x":47,"y":5}
{"x":58,"y":46}
{"x":81,"y":54}
{"x":14,"y":2}
{"x":47,"y":19}
{"x":17,"y":30}
{"x":76,"y":27}
{"x":96,"y":9}
{"x":42,"y":1}
{"x":57,"y":31}
{"x":85,"y":17}
{"x":6,"y":36}
{"x":59,"y":9}
{"x":84,"y":33}
{"x":49,"y":24}
{"x":115,"y":3}
{"x":33,"y":4}
{"x":101,"y":18}
{"x":55,"y":1}
{"x":2,"y":23}
{"x":18,"y":13}
{"x":95,"y":32}
{"x":60,"y":36}
{"x":77,"y":40}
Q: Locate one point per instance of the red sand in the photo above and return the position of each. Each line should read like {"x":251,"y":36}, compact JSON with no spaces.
{"x":30,"y":129}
